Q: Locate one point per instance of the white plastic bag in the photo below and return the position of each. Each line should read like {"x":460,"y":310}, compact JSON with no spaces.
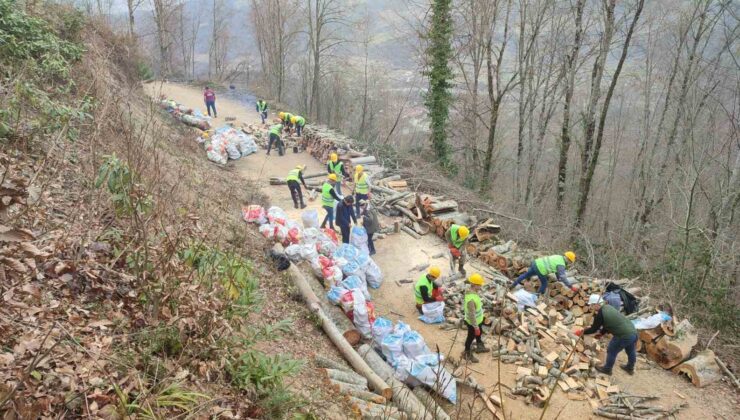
{"x":310,"y":218}
{"x":247,"y":145}
{"x":233,"y":151}
{"x":354,"y":282}
{"x":524,"y":298}
{"x":254,"y":213}
{"x":293,"y":252}
{"x":346,"y":251}
{"x":414,"y":345}
{"x":358,"y":238}
{"x":276,"y":215}
{"x":373,"y":275}
{"x":381,"y":328}
{"x":433,"y":313}
{"x":392,"y":347}
{"x":310,"y":235}
{"x":437,"y":378}
{"x":652,"y":321}
{"x":335,"y":294}
{"x":360,"y":314}
{"x":352,"y":269}
{"x":308,"y":252}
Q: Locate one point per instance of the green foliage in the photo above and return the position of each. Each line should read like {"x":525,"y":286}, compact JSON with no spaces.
{"x":233,"y":272}
{"x":687,"y":266}
{"x":35,"y":65}
{"x":438,"y":98}
{"x":263,"y":373}
{"x":144,"y":71}
{"x":126,"y":193}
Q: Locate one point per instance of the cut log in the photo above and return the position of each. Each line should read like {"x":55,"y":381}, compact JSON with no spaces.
{"x":364,"y":160}
{"x":702,"y":370}
{"x":670,"y":351}
{"x":426,"y":398}
{"x":336,"y":337}
{"x":443,"y":206}
{"x":410,"y":232}
{"x":346,"y":377}
{"x":403,"y":398}
{"x":324,"y":362}
{"x":357,"y":392}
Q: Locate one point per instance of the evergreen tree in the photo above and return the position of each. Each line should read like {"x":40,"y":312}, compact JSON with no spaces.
{"x":437,"y":101}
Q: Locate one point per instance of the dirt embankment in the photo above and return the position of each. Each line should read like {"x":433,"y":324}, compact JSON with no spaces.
{"x":398,"y":254}
{"x":130,"y":287}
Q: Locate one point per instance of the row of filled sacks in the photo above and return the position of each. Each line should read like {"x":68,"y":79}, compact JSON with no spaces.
{"x":345,"y":269}
{"x":412,"y":360}
{"x":185,"y":114}
{"x":228,"y":143}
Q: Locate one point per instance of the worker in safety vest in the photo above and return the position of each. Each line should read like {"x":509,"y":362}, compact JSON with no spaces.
{"x":362,"y":185}
{"x":295,"y":176}
{"x":328,"y":197}
{"x":456,"y":237}
{"x":543,"y":267}
{"x":298,"y":122}
{"x":286,"y":117}
{"x":426,"y":286}
{"x":336,"y":167}
{"x":473,"y":319}
{"x":262,"y":108}
{"x":624,"y":335}
{"x":275,"y":132}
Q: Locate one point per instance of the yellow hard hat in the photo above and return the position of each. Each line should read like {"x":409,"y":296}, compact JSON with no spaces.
{"x":293,"y":120}
{"x":205,"y":135}
{"x":434,"y":271}
{"x":333,"y":177}
{"x":359,"y":168}
{"x":463,"y":232}
{"x":333,"y":157}
{"x":476,"y":279}
{"x":571,"y":256}
{"x":281,"y":115}
{"x":301,"y":167}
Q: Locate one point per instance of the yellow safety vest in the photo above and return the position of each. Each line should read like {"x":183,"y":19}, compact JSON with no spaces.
{"x":478,"y":308}
{"x":361,"y":186}
{"x":293,"y":175}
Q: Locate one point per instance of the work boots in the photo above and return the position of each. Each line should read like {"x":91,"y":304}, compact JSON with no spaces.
{"x":468,"y":356}
{"x":604,"y":370}
{"x":630,"y":370}
{"x":481,"y":348}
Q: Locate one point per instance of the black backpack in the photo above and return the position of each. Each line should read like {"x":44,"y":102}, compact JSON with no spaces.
{"x":630,"y":303}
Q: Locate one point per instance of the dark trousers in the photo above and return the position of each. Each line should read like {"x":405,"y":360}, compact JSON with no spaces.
{"x":359,"y":197}
{"x":263,"y":115}
{"x":370,"y":244}
{"x":211,"y":106}
{"x":618,"y":344}
{"x":329,"y":217}
{"x":295,"y":193}
{"x":533,"y":272}
{"x":471,"y":336}
{"x":298,"y":130}
{"x":345,"y":233}
{"x":274,"y":138}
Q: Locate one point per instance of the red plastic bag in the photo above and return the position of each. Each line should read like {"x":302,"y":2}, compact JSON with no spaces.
{"x":331,"y":234}
{"x":254,"y":214}
{"x":325,"y":262}
{"x":294,"y":235}
{"x":347,"y":302}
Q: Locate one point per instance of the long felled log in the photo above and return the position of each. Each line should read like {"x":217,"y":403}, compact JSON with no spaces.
{"x":331,"y":330}
{"x":702,"y":369}
{"x":426,"y":398}
{"x":346,"y":377}
{"x":403,"y":398}
{"x":324,"y":362}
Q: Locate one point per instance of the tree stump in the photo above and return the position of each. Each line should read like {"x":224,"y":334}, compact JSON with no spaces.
{"x":670,"y":351}
{"x":702,"y":369}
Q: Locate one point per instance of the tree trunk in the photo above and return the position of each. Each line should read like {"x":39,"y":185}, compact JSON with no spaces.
{"x":591,"y":154}
{"x":571,"y":67}
{"x":702,"y":370}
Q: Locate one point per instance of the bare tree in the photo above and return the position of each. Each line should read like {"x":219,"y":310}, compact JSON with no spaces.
{"x":163,"y":13}
{"x":276,"y":28}
{"x":325,"y":21}
{"x":592,"y":147}
{"x":132,"y":5}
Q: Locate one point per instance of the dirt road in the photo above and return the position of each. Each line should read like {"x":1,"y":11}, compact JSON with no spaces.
{"x":399,"y":253}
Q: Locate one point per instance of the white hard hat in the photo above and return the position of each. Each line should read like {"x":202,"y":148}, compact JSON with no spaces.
{"x":595,"y":299}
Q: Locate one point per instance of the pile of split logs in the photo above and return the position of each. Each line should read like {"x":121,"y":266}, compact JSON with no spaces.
{"x":259,"y":132}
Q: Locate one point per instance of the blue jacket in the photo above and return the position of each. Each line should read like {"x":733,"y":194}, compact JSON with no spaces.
{"x":345,"y":212}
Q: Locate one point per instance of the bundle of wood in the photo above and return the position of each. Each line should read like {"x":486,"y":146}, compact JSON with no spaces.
{"x":620,"y":406}
{"x":354,"y":387}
